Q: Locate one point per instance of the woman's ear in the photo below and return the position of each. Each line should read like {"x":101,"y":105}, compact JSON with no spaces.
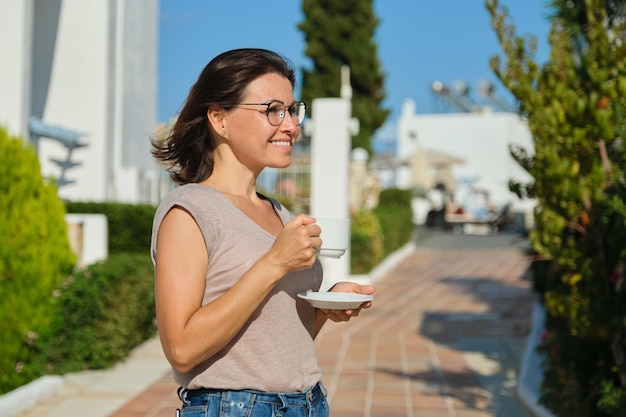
{"x":216,"y":118}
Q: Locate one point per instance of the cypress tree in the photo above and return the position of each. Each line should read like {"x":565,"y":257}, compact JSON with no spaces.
{"x":341,"y":33}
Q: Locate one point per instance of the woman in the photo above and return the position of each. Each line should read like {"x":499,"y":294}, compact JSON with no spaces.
{"x":229,"y":262}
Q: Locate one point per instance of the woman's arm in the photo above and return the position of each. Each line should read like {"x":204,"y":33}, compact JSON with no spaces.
{"x":191,"y":333}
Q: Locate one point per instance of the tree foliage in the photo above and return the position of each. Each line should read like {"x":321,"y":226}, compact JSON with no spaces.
{"x":35,"y":256}
{"x":575,"y":105}
{"x":341,"y":33}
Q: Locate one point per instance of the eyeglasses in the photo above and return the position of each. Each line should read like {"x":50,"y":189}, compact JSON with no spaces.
{"x":276,"y":111}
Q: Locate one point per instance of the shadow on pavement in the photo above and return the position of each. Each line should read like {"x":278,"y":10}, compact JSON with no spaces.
{"x":437,"y":382}
{"x":492,"y":339}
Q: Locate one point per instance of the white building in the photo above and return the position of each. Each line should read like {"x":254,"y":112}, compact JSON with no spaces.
{"x":480,"y":139}
{"x":78,"y":79}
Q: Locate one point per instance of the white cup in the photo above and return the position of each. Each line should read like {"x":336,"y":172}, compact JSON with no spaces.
{"x":335,"y":236}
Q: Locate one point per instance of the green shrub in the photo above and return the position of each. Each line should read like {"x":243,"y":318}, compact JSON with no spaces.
{"x":366,"y":245}
{"x":395,"y":216}
{"x":395,"y":197}
{"x":575,"y":109}
{"x":104,"y":311}
{"x":576,"y":386}
{"x":376,"y":234}
{"x":129,"y":225}
{"x":35,"y":256}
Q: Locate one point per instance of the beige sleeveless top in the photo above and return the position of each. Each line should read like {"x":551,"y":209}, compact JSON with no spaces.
{"x":274,"y":351}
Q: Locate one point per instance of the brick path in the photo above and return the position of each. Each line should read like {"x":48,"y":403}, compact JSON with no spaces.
{"x":444,"y":338}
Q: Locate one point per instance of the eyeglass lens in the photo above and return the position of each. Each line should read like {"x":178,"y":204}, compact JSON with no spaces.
{"x":276,"y":112}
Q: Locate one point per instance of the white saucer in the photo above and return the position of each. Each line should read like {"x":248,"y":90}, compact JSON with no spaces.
{"x":335,"y":300}
{"x":331,"y":253}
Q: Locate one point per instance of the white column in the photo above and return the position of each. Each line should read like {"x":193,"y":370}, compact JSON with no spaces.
{"x":331,"y":129}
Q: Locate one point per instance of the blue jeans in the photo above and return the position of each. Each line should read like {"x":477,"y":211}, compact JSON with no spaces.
{"x":247,"y":403}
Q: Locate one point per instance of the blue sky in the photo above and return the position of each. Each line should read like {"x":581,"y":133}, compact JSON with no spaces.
{"x":419,"y":42}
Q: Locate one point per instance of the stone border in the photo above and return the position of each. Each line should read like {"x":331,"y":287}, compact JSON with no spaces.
{"x":531,"y":374}
{"x":27,"y":396}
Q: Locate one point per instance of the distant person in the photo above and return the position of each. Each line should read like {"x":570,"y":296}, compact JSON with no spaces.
{"x":436,"y":215}
{"x":229,"y":262}
{"x":452,"y":207}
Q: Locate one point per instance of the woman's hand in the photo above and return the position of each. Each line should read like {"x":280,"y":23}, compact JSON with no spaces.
{"x":297,"y":245}
{"x":345,"y":315}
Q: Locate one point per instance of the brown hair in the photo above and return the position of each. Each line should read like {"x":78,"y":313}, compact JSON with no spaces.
{"x":188,"y":149}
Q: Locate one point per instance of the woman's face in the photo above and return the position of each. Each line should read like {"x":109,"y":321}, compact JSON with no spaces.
{"x":253,"y":139}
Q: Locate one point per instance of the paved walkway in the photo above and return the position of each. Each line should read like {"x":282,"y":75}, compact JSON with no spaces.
{"x":444,"y":338}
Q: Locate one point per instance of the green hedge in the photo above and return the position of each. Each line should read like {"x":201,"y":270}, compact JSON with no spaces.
{"x":366,"y":242}
{"x":129,"y":225}
{"x":396,"y":218}
{"x":103,"y":312}
{"x":90,"y":320}
{"x":378,"y":233}
{"x":35,"y":256}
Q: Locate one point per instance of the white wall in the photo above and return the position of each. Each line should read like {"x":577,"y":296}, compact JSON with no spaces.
{"x":482,"y":139}
{"x":88,"y":235}
{"x":15,"y":29}
{"x":78,"y":97}
{"x":87,"y":66}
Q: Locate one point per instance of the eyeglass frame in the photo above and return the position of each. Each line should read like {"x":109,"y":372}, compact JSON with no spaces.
{"x":289,"y":110}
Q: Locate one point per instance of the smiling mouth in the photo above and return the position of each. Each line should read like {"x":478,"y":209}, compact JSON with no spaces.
{"x":281,"y":143}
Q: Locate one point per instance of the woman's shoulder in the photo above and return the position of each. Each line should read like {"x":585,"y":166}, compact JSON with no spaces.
{"x":189,"y":196}
{"x":191,"y":191}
